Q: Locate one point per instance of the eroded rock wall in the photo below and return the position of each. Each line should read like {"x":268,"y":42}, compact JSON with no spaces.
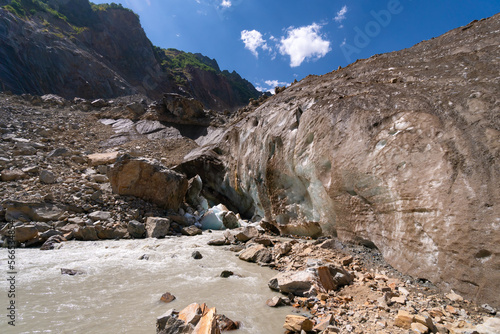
{"x":401,"y":150}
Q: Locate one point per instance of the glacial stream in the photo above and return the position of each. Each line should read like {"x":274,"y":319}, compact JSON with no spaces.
{"x":120,"y":293}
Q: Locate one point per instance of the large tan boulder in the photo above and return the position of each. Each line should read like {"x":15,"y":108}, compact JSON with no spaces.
{"x":148,"y":180}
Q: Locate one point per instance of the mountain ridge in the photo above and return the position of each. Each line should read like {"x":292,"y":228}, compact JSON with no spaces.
{"x":77,"y":49}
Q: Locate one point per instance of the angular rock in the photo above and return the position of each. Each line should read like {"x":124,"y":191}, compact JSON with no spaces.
{"x":296,"y":283}
{"x":59,"y":152}
{"x":71,"y":272}
{"x":303,"y":229}
{"x":167,"y":297}
{"x":32,"y":211}
{"x":248,"y":233}
{"x":98,"y":159}
{"x":115,"y":232}
{"x":157,"y":227}
{"x":269,"y":227}
{"x":297,"y":323}
{"x":85,"y":233}
{"x":257,"y":253}
{"x":52,"y":241}
{"x":192,"y":314}
{"x":48,"y":177}
{"x":144,"y":179}
{"x":208,"y":323}
{"x":226,"y":324}
{"x":13,"y":175}
{"x":276,"y":301}
{"x":226,"y":274}
{"x":136,"y":229}
{"x":170,"y":324}
{"x":403,"y":319}
{"x":25,"y":232}
{"x":196,"y":255}
{"x":100,"y":215}
{"x":230,"y":220}
{"x":191,"y":231}
{"x":419,"y":328}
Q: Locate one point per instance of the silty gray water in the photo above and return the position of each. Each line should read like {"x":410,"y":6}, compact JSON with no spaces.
{"x":120,"y":293}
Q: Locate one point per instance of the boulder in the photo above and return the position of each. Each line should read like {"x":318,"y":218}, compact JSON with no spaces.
{"x":302,"y":229}
{"x":257,"y":253}
{"x":297,"y":323}
{"x":85,"y":233}
{"x":167,"y":297}
{"x":136,"y":229}
{"x":208,"y":323}
{"x":48,"y":177}
{"x":100,"y":215}
{"x":196,"y":255}
{"x":157,"y":227}
{"x":13,"y":175}
{"x":32,"y":211}
{"x":148,"y":180}
{"x":294,"y":282}
{"x":192,"y":313}
{"x":52,"y":241}
{"x":115,"y":232}
{"x":98,"y":159}
{"x":25,"y":232}
{"x":333,"y":278}
{"x":191,"y":230}
{"x":230,"y":221}
{"x":248,"y":233}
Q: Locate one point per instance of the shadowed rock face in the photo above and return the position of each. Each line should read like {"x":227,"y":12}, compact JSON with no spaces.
{"x":102,"y":54}
{"x":400,"y":150}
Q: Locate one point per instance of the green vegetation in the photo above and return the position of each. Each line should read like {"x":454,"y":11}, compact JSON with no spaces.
{"x":24,"y":8}
{"x":178,"y":60}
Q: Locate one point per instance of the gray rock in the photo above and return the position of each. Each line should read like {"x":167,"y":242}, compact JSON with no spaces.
{"x":59,"y":152}
{"x":248,"y":233}
{"x":296,"y":283}
{"x":47,"y":177}
{"x":196,"y":255}
{"x":191,"y":230}
{"x":157,"y":227}
{"x":258,"y":253}
{"x":100,"y":215}
{"x":136,"y":229}
{"x":230,"y":220}
{"x":13,"y":175}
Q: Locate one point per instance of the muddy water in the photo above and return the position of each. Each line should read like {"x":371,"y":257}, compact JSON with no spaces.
{"x":120,"y":293}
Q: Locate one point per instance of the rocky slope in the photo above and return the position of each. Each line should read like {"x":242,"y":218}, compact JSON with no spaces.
{"x":73,"y":49}
{"x":400,"y":152}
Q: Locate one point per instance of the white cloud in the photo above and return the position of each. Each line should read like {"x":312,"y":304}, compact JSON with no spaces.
{"x":226,"y":3}
{"x":269,"y":85}
{"x":253,"y":40}
{"x":304,"y":43}
{"x":341,"y":15}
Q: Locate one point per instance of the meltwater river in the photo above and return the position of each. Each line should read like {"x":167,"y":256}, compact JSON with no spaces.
{"x":120,"y":293}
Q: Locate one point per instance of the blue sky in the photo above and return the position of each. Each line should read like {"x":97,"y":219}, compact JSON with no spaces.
{"x":274,"y":42}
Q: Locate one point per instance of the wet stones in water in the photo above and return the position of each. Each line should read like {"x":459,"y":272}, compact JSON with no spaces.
{"x":196,"y":255}
{"x":226,"y":274}
{"x":277,"y":301}
{"x":226,"y":324}
{"x":167,"y":297}
{"x":144,"y":257}
{"x":71,"y":272}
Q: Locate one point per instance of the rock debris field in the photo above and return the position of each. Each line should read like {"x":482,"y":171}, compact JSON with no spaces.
{"x":67,"y":175}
